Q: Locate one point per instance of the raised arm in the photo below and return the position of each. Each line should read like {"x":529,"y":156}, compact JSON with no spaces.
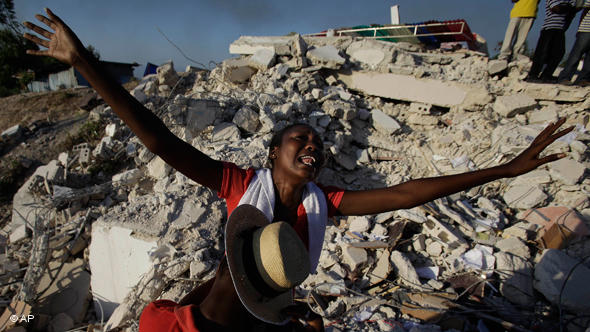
{"x":416,"y":192}
{"x":63,"y":45}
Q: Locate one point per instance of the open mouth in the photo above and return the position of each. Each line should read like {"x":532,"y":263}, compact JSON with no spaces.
{"x":307,"y":160}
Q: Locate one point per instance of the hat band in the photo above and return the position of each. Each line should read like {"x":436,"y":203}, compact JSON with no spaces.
{"x":252,"y":271}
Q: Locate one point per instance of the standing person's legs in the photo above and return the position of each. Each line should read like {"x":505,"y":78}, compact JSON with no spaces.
{"x":506,"y":49}
{"x":555,"y":54}
{"x":540,"y":54}
{"x":584,"y":75}
{"x":581,"y":46}
{"x":524,"y":26}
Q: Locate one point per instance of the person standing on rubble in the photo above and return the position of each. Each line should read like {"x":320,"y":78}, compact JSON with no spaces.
{"x":551,"y":44}
{"x":581,"y":47}
{"x":284,"y":192}
{"x":522,"y":17}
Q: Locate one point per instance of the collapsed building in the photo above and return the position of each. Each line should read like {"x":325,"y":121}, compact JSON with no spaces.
{"x":511,"y":253}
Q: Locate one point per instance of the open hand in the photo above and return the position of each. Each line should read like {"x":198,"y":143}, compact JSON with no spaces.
{"x":61,"y":44}
{"x":529,"y":159}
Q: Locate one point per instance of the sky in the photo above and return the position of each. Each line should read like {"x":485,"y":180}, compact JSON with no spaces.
{"x":127,"y":31}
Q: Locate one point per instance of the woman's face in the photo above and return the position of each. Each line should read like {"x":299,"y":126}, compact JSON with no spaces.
{"x":301,"y":153}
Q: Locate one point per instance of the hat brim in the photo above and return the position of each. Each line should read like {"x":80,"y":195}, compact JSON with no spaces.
{"x":244,"y":220}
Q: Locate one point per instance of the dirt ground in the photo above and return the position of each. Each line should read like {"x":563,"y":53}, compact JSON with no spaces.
{"x":49,"y":120}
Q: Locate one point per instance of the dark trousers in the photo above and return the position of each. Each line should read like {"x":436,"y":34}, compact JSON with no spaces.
{"x":550,"y":49}
{"x":581,"y":47}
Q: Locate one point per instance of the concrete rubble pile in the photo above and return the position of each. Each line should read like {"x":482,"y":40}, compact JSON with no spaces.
{"x":510,"y":253}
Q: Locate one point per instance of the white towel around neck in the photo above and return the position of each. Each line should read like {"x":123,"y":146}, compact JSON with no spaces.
{"x":261,"y":194}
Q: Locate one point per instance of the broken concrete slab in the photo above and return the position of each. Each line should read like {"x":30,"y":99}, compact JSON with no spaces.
{"x":509,"y":106}
{"x":353,"y":257}
{"x":497,"y":66}
{"x":326,"y":56}
{"x":516,"y":275}
{"x":158,"y":168}
{"x":407,"y":88}
{"x":524,"y":196}
{"x":563,"y":280}
{"x":200,"y":115}
{"x":405,"y":270}
{"x":225,"y":131}
{"x":128,"y":258}
{"x":556,"y":92}
{"x":251,"y":44}
{"x":372,"y":53}
{"x":384,"y":123}
{"x":247,"y":119}
{"x":567,"y":171}
{"x":262,"y":59}
{"x":68,"y":294}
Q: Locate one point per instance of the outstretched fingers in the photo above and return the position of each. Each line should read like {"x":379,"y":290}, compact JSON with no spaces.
{"x":550,"y":129}
{"x":46,"y":21}
{"x":551,"y":157}
{"x":36,"y":40}
{"x":38,"y":29}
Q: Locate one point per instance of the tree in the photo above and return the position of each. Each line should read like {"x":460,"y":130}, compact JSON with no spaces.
{"x":7,"y":16}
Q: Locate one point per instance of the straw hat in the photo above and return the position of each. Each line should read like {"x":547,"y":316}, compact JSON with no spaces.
{"x":266,"y":260}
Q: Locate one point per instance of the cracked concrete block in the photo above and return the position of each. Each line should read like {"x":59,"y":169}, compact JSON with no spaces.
{"x":384,"y":123}
{"x":497,"y":66}
{"x":247,"y":119}
{"x":513,"y":245}
{"x":567,"y":171}
{"x":354,"y":258}
{"x":509,"y":106}
{"x":359,"y":224}
{"x":326,"y":56}
{"x":70,"y":294}
{"x":167,"y":75}
{"x":382,"y":267}
{"x":407,"y":88}
{"x":128,"y":259}
{"x":251,"y":44}
{"x":516,"y":278}
{"x":371,"y":52}
{"x":405,"y":270}
{"x":524,"y":196}
{"x":158,"y":169}
{"x":543,"y":116}
{"x":237,"y":70}
{"x":551,"y":273}
{"x":262,"y":59}
{"x":422,"y":120}
{"x":200,"y":115}
{"x":420,"y":108}
{"x":225,"y":131}
{"x":129,"y":177}
{"x":442,"y":232}
{"x":340,"y":109}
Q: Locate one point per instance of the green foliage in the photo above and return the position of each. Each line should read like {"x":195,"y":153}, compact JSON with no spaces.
{"x":10,"y":173}
{"x":89,"y":132}
{"x":92,"y":50}
{"x":15,"y":63}
{"x":7,"y":16}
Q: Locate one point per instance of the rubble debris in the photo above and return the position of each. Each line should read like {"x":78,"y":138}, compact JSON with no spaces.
{"x":562,"y":280}
{"x":449,"y":112}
